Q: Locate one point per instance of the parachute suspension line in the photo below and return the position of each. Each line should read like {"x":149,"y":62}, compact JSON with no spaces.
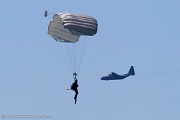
{"x":74,"y":57}
{"x":73,"y":54}
{"x":62,"y":51}
{"x":85,"y":44}
{"x":68,"y":51}
{"x":63,"y":54}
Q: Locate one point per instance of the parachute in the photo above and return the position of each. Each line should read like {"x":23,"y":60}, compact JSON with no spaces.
{"x":66,"y":29}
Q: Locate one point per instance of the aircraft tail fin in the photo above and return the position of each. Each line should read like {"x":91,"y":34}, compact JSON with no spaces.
{"x":131,"y":71}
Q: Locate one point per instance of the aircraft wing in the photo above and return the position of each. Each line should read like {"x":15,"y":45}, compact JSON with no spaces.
{"x":111,"y":76}
{"x":114,"y":74}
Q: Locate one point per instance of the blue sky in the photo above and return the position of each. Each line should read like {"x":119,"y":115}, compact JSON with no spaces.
{"x":142,"y":33}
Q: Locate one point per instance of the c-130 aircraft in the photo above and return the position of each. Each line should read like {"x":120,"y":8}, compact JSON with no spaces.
{"x":114,"y":76}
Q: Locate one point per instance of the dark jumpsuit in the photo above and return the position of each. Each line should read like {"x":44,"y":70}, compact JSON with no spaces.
{"x":74,"y":87}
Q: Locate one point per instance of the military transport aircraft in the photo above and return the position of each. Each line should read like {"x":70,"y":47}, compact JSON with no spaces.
{"x":114,"y":76}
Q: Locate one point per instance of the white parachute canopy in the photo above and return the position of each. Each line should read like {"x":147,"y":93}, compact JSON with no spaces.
{"x":66,"y":28}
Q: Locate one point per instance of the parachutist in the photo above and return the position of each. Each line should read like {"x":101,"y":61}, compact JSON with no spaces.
{"x":74,"y":87}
